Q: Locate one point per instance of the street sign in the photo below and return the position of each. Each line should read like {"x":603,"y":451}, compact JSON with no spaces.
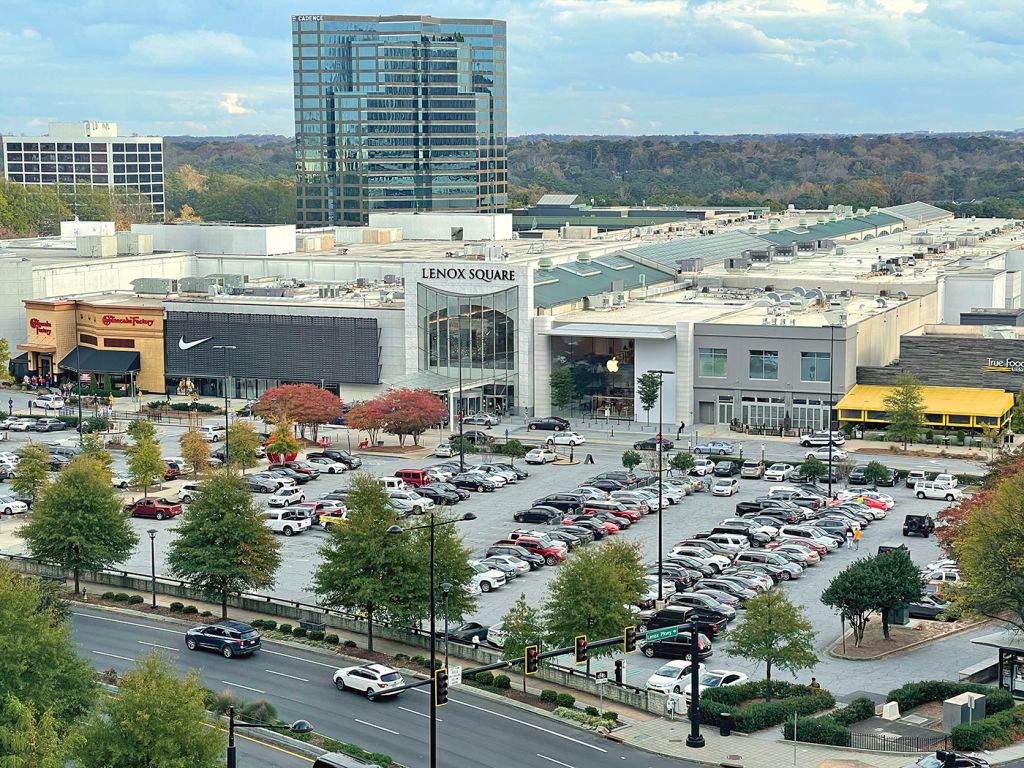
{"x":662,"y":634}
{"x":455,"y":676}
{"x":601,"y":677}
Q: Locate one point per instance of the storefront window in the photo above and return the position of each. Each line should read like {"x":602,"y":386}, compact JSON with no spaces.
{"x":815,"y":366}
{"x":764,"y":364}
{"x":476,"y":334}
{"x":712,"y":363}
{"x":603,"y":374}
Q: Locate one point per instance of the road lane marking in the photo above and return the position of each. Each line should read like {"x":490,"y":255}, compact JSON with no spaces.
{"x":378,"y":727}
{"x":113,"y":656}
{"x":299,"y":658}
{"x":421,"y":714}
{"x":245,"y":687}
{"x":551,"y":759}
{"x":157,"y":645}
{"x":129,"y":623}
{"x":528,"y":725}
{"x":282,"y":674}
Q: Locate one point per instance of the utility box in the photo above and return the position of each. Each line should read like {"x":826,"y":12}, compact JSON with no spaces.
{"x":96,"y":246}
{"x":900,"y":616}
{"x":965,"y":708}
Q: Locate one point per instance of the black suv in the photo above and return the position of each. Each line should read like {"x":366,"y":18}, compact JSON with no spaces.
{"x":228,"y":638}
{"x":535,"y":561}
{"x":546,"y":515}
{"x":918,"y":525}
{"x":564,"y":502}
{"x":548,"y":423}
{"x":342,"y":457}
{"x":857,"y":476}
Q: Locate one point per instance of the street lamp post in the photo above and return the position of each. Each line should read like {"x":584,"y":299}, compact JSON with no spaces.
{"x":299,"y":726}
{"x":659,"y":445}
{"x":227,"y":402}
{"x":446,"y":588}
{"x":152,"y":562}
{"x":831,"y":395}
{"x":431,"y":526}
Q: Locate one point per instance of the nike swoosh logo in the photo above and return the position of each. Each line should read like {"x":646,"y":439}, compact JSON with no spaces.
{"x":182,"y":344}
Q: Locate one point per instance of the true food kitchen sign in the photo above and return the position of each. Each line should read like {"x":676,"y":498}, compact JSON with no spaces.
{"x":1003,"y":365}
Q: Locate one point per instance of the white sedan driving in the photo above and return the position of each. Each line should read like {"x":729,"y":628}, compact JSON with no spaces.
{"x":365,"y":678}
{"x":566,"y":438}
{"x":48,"y":402}
{"x":822,"y":454}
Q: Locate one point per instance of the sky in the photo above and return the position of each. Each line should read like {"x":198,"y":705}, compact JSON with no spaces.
{"x":223,"y":67}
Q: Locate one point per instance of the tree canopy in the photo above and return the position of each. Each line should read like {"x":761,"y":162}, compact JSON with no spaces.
{"x":32,"y":471}
{"x":905,"y":406}
{"x":774,"y":631}
{"x":648,"y":387}
{"x":306,"y":405}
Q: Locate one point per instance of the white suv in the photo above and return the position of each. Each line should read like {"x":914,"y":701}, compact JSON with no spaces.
{"x":485,"y":577}
{"x":420,"y":503}
{"x":211,"y":433}
{"x":935,"y":490}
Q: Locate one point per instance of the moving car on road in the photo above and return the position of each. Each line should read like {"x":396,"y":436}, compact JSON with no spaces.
{"x":651,"y":444}
{"x":552,"y":423}
{"x":48,"y":402}
{"x":566,"y":438}
{"x":719,"y":447}
{"x":824,"y":454}
{"x":228,"y":638}
{"x":540,"y":456}
{"x":365,"y":678}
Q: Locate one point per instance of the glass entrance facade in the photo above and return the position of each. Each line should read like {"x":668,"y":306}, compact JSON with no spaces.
{"x":602,"y":374}
{"x":474,"y":335}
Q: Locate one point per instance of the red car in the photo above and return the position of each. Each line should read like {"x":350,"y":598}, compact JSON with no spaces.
{"x":172,"y":471}
{"x":817,"y":548}
{"x":551,"y":555}
{"x":608,"y":527}
{"x":157,"y":508}
{"x":298,"y":466}
{"x":620,"y":510}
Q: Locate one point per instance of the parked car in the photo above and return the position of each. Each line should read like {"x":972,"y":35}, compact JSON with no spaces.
{"x":540,"y":456}
{"x":486,"y":577}
{"x":927,"y":607}
{"x":752,"y":469}
{"x":485,"y":419}
{"x":448,"y":487}
{"x":538,"y":514}
{"x":474,"y":481}
{"x":938,"y":760}
{"x":48,"y":402}
{"x":510,"y":565}
{"x":915,"y":476}
{"x":918,"y":525}
{"x":719,"y":447}
{"x":471,"y":633}
{"x":350,"y":461}
{"x":286,"y":522}
{"x":511,"y":548}
{"x":677,"y":647}
{"x":651,"y":444}
{"x":726,"y":469}
{"x":21,"y":425}
{"x":48,"y":425}
{"x":725,"y":486}
{"x":154,"y":507}
{"x":227,"y":637}
{"x":474,"y":436}
{"x":258,"y":484}
{"x":779,"y":472}
{"x":11,"y":506}
{"x":858,"y":476}
{"x":552,"y":423}
{"x":444,"y":450}
{"x":364,"y":678}
{"x":671,"y":677}
{"x":714,"y":678}
{"x":552,"y":554}
{"x":286,"y":495}
{"x":825,"y":454}
{"x":945,"y":478}
{"x":933,"y":490}
{"x":327,"y":466}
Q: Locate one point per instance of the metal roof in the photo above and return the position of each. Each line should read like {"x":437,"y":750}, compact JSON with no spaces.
{"x":923,"y":212}
{"x":564,"y":284}
{"x":713,"y":249}
{"x":832,"y":229}
{"x":962,"y":401}
{"x":558,"y":200}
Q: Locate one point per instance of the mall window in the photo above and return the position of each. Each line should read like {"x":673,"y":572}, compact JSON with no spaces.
{"x":712,"y":363}
{"x":764,"y":364}
{"x":603,"y":375}
{"x":88,"y":338}
{"x":473,"y":333}
{"x":121,"y":343}
{"x":815,"y":366}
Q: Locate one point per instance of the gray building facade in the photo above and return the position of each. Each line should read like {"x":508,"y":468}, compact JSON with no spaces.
{"x":405,"y":113}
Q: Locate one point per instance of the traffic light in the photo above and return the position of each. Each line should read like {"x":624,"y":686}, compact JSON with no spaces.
{"x":441,"y":687}
{"x":581,"y":649}
{"x":532,"y":661}
{"x":629,"y":641}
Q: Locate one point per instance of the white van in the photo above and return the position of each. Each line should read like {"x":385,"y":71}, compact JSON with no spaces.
{"x":393,"y":484}
{"x":930,"y":489}
{"x":732,"y":541}
{"x":211,"y":433}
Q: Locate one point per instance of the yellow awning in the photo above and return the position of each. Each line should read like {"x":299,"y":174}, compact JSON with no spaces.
{"x":962,"y":401}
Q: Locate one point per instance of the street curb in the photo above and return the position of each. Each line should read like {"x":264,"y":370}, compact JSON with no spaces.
{"x":911,"y":646}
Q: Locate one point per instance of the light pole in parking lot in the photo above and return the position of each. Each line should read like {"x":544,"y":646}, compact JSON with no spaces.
{"x":227,"y":401}
{"x":396,"y":530}
{"x":152,"y":562}
{"x":299,"y":726}
{"x":832,"y":318}
{"x":659,"y":445}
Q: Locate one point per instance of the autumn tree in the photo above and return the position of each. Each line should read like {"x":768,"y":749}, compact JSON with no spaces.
{"x":79,"y":522}
{"x":145,"y":464}
{"x":241,"y":445}
{"x":776,"y":632}
{"x":306,"y":405}
{"x":281,"y":443}
{"x":5,"y":357}
{"x":222,"y":545}
{"x":367,"y":417}
{"x":409,"y":412}
{"x":196,"y":452}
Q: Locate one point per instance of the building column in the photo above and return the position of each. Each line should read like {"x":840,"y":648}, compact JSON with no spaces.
{"x":685,"y":353}
{"x":540,"y":403}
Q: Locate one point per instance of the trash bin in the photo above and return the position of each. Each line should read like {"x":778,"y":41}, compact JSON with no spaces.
{"x":725,"y":724}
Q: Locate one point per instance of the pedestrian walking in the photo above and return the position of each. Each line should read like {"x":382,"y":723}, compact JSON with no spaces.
{"x":856,"y":539}
{"x":849,"y":539}
{"x":679,"y":432}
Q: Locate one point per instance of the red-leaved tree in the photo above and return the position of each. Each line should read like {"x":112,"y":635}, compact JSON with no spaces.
{"x":368,"y":416}
{"x":304,"y":404}
{"x":410,"y":412}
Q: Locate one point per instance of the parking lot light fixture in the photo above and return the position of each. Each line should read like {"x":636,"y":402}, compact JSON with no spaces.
{"x":152,"y":563}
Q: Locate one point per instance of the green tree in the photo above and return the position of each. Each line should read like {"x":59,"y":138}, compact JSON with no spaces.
{"x":363,"y":567}
{"x":222,"y":545}
{"x":898,"y":583}
{"x":5,"y":358}
{"x":92,"y":446}
{"x":242,"y":443}
{"x":28,"y":740}
{"x":854,"y":595}
{"x":682,"y":462}
{"x":514,"y":449}
{"x":157,"y":720}
{"x":282,"y":443}
{"x":38,"y":665}
{"x":195,"y":451}
{"x":523,"y":626}
{"x":905,"y":406}
{"x":648,"y":387}
{"x":78,"y":521}
{"x":876,"y":472}
{"x":813,"y":469}
{"x":141,"y":429}
{"x":776,"y":632}
{"x":145,"y":465}
{"x":32,"y":471}
{"x":562,"y":388}
{"x":1017,"y":418}
{"x":989,"y":550}
{"x":631,"y":460}
{"x":451,"y":565}
{"x":593,"y":592}
{"x":468,"y":446}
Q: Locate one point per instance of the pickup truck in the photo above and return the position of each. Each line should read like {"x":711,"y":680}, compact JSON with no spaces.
{"x":157,"y":508}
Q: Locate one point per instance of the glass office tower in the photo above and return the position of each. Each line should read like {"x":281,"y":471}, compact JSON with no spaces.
{"x":401,"y":113}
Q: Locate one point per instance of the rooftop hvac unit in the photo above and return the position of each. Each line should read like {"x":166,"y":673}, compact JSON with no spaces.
{"x":361,"y":282}
{"x":620,"y":298}
{"x":390,"y":279}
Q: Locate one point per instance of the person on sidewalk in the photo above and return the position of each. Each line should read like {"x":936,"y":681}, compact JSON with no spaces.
{"x":856,"y":539}
{"x":815,"y":683}
{"x":679,"y":432}
{"x":849,"y":539}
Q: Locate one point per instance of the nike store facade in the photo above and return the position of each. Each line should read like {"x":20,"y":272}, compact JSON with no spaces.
{"x":254,"y":345}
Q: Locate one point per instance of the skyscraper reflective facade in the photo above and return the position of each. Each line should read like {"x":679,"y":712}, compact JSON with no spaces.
{"x":402,"y":113}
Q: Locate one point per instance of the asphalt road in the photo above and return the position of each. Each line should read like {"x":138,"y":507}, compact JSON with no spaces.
{"x":472,"y":731}
{"x":257,"y":754}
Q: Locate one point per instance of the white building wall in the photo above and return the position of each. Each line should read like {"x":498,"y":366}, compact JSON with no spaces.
{"x":684,"y":373}
{"x":309,"y":268}
{"x":656,"y":354}
{"x":238,"y":240}
{"x":440,"y":226}
{"x":72,"y":229}
{"x":966,"y":291}
{"x":540,"y":405}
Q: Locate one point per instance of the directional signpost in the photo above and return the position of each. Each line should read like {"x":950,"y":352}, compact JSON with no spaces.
{"x":661,"y":634}
{"x":455,"y":676}
{"x":601,"y":678}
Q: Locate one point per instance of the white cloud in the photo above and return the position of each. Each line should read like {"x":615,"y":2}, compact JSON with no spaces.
{"x":189,"y":47}
{"x":630,"y":9}
{"x":231,"y":104}
{"x":657,"y":57}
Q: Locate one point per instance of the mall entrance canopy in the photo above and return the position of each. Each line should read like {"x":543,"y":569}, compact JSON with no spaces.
{"x":944,"y":407}
{"x":477,"y":394}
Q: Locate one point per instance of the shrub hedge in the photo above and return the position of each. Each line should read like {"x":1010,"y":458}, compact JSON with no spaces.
{"x":484,"y":678}
{"x":566,"y":700}
{"x":285,"y":629}
{"x":998,"y":730}
{"x":915,"y":694}
{"x":136,"y":599}
{"x":832,"y":728}
{"x":332,"y":639}
{"x":548,"y":696}
{"x":502,"y":682}
{"x":787,"y":699}
{"x":190,"y":610}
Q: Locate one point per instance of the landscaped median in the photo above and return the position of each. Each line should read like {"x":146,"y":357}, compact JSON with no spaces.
{"x":760,"y":704}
